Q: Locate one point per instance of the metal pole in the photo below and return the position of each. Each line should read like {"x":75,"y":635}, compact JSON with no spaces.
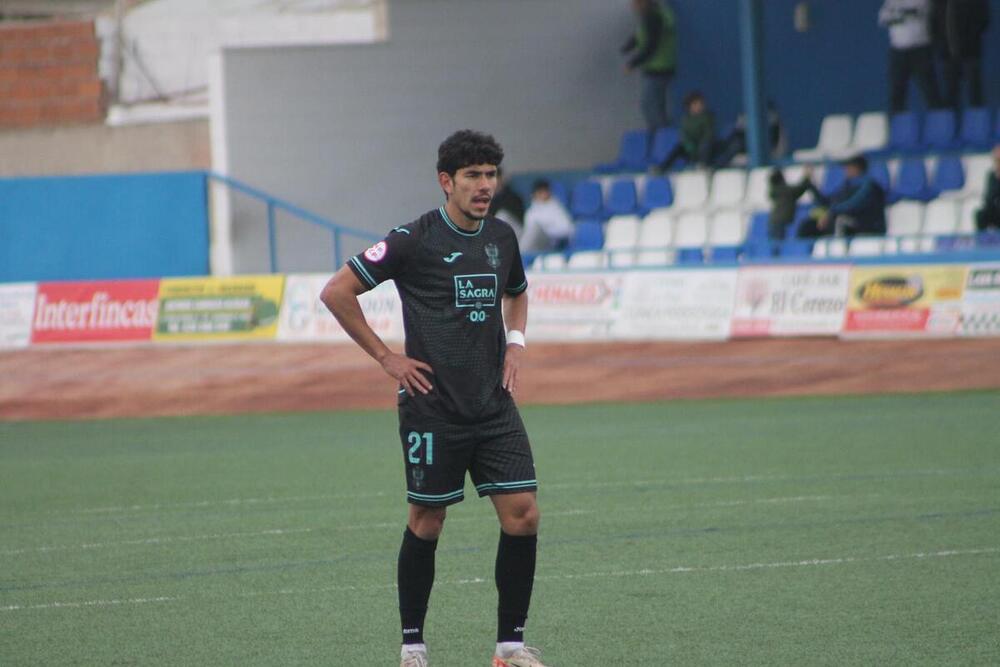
{"x":336,"y":248}
{"x":272,"y":236}
{"x":752,"y":62}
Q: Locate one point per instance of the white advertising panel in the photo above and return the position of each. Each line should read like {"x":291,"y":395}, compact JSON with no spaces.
{"x":790,"y":300}
{"x":572,"y":306}
{"x":17,"y":309}
{"x":304,"y":318}
{"x":692,"y":304}
{"x":981,"y":301}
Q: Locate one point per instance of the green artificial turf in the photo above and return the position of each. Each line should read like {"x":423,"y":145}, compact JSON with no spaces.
{"x":807,"y":531}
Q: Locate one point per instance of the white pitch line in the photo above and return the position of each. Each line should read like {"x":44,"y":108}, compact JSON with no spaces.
{"x":229,"y":502}
{"x":645,"y":572}
{"x":156,"y":540}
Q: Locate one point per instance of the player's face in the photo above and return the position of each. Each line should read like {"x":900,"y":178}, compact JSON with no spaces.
{"x":472,"y":189}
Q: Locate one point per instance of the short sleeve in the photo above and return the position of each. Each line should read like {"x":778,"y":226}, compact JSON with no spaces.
{"x":386,"y":259}
{"x":516,"y":280}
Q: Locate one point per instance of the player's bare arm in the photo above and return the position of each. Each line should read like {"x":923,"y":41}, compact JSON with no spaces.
{"x":515,"y":316}
{"x":340,"y":296}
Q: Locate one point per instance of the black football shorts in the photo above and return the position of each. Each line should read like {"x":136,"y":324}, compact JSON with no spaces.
{"x":438,"y":451}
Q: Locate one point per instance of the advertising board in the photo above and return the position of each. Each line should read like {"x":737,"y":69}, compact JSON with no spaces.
{"x":232,"y":308}
{"x":93,"y":311}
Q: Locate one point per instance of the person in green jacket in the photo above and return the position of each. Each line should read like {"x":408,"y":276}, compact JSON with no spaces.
{"x":784,"y":198}
{"x":654,"y":52}
{"x":697,"y":142}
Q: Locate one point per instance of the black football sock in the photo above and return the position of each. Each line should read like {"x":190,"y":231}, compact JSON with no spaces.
{"x":515,"y":575}
{"x":415,"y":576}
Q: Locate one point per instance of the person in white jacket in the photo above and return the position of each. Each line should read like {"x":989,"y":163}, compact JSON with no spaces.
{"x":547,"y":223}
{"x":910,"y":52}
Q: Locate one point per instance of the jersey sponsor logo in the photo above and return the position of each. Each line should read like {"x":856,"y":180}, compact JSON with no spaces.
{"x":477,"y":290}
{"x":376,"y":252}
{"x":492,"y":255}
{"x":452,"y":257}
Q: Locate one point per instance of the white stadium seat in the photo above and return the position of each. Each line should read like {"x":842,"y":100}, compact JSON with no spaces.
{"x":727,"y":228}
{"x":976,"y":167}
{"x":690,"y":190}
{"x":834,"y":139}
{"x":836,"y":247}
{"x":757,"y":186}
{"x":588,"y":259}
{"x":692,"y":230}
{"x":654,"y":258}
{"x":871,"y":131}
{"x":622,"y":232}
{"x":728,"y":188}
{"x":866,"y":246}
{"x":941,"y":217}
{"x":554,"y":261}
{"x":905,"y":218}
{"x":820,"y":249}
{"x":621,"y":259}
{"x":657,"y":230}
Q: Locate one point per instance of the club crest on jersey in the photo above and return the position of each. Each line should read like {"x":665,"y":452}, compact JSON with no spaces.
{"x":376,"y":252}
{"x":476,"y":290}
{"x":492,"y":255}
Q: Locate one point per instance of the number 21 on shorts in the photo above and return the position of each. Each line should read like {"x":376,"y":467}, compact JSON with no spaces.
{"x":416,"y":439}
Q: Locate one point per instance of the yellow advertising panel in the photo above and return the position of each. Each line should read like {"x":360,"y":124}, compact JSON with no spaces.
{"x":903,"y":299}
{"x":232,"y":308}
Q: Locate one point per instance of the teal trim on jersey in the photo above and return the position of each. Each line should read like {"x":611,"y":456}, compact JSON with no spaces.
{"x":444,"y":214}
{"x":364,"y":272}
{"x":507,"y":485}
{"x":429,"y":496}
{"x":401,"y":230}
{"x":517,"y":290}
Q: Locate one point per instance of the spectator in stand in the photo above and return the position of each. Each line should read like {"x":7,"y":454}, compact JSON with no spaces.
{"x":784,"y":198}
{"x":856,"y":207}
{"x":736,"y":142}
{"x":547,"y":224}
{"x":697,"y":136}
{"x":910,"y":51}
{"x":655,"y":53}
{"x":958,"y":27}
{"x":507,"y":204}
{"x":989,"y":215}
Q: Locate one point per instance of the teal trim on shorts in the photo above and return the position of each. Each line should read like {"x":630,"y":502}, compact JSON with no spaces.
{"x":458,"y":229}
{"x":436,"y":498}
{"x":503,"y":486}
{"x":364,"y":272}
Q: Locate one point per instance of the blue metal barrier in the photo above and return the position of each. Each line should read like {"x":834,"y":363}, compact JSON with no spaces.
{"x":274,"y":204}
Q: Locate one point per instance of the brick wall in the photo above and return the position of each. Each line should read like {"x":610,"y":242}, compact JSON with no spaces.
{"x":48,"y":74}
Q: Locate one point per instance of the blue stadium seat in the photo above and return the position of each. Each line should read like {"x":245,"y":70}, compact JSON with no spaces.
{"x":911,"y":181}
{"x":622,"y":198}
{"x":663,"y":142}
{"x":948,"y":175}
{"x":801,"y":215}
{"x":632,"y":153}
{"x":879,"y":170}
{"x":725,"y":254}
{"x":758,"y":226}
{"x":759,"y":249}
{"x":558,"y":189}
{"x":796,"y":248}
{"x":939,"y":129}
{"x":658,"y":193}
{"x":975,"y":133}
{"x":833,"y":178}
{"x":904,"y":132}
{"x":587,"y":200}
{"x":690,"y":256}
{"x":587,"y":235}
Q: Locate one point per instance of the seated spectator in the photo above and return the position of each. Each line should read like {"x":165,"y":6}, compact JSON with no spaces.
{"x":989,"y":215}
{"x":697,"y":136}
{"x":507,"y":204}
{"x":783,"y":198}
{"x":856,"y":207}
{"x":736,"y":142}
{"x":547,"y":223}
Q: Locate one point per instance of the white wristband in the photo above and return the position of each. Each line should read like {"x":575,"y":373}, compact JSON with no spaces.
{"x":515,"y":337}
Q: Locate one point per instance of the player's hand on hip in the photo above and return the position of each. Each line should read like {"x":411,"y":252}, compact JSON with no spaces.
{"x":409,"y":372}
{"x":511,"y":363}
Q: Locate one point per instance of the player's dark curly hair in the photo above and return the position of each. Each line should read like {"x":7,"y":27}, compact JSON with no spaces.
{"x":465,"y":148}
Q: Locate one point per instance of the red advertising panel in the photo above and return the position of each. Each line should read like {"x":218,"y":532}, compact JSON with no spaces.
{"x":95,"y":311}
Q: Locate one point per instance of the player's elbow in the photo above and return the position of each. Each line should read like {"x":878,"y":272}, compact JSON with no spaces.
{"x":333,"y":293}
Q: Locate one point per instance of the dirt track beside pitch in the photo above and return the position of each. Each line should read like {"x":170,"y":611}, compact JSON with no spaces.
{"x":215,"y":379}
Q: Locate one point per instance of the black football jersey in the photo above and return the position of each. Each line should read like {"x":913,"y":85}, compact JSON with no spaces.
{"x":451,"y":283}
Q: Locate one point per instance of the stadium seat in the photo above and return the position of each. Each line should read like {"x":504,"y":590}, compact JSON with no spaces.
{"x":726,"y":229}
{"x":833,"y":178}
{"x":728,"y":188}
{"x":758,"y":183}
{"x":939,"y":130}
{"x":866,"y":246}
{"x":941,"y":217}
{"x":820,"y":249}
{"x":905,"y":219}
{"x":967,"y":218}
{"x":622,"y":232}
{"x":975,"y":132}
{"x":834,"y":139}
{"x":587,"y":235}
{"x":621,"y":259}
{"x":553,"y":261}
{"x":948,"y":175}
{"x":587,"y":200}
{"x":633,"y":151}
{"x":904,"y":132}
{"x":559,"y":191}
{"x":911,"y":181}
{"x":622,"y":198}
{"x":654,"y":258}
{"x":690,"y":256}
{"x":976,"y":169}
{"x":798,"y":248}
{"x":690,"y":190}
{"x":657,"y":230}
{"x":691,"y":231}
{"x":758,"y":226}
{"x":909,"y":245}
{"x":836,"y":247}
{"x":870,"y":132}
{"x":587,"y":259}
{"x":880,"y":172}
{"x":657,"y":193}
{"x":724,"y":254}
{"x":663,"y":142}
